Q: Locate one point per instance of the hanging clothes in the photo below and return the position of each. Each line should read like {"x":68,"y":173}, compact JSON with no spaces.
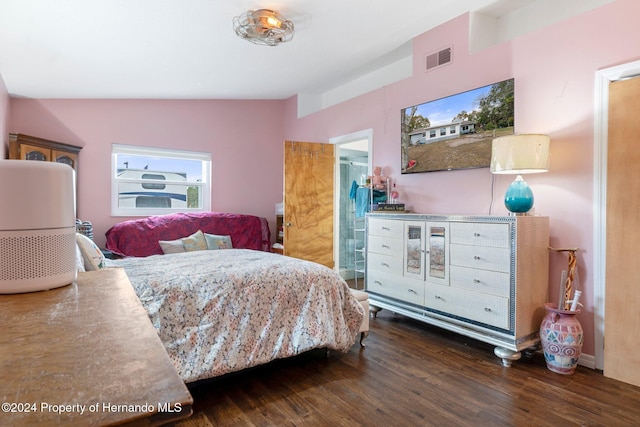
{"x":354,"y":189}
{"x":362,"y":201}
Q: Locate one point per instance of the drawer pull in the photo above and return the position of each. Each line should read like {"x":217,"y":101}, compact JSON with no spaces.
{"x":377,"y":282}
{"x":476,"y":257}
{"x":384,"y":264}
{"x":487,"y":309}
{"x":385,"y":228}
{"x":476,"y":281}
{"x":411,"y":291}
{"x":438,"y":297}
{"x":385,"y":246}
{"x":476,"y":234}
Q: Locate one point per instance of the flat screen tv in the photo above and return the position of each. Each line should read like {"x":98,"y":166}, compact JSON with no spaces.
{"x":456,"y":132}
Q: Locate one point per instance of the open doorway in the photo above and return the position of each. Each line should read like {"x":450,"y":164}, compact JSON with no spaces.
{"x":352,"y":169}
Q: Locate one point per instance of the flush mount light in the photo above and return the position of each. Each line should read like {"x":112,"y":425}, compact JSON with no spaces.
{"x":263,"y":26}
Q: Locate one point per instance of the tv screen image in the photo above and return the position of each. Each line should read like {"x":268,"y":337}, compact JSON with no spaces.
{"x":455,"y":132}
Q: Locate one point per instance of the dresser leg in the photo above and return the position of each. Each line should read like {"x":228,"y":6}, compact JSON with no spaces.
{"x":528,"y":353}
{"x":374,"y":310}
{"x":507,"y":356}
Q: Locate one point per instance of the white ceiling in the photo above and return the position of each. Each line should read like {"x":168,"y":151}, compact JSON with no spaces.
{"x":187,"y":49}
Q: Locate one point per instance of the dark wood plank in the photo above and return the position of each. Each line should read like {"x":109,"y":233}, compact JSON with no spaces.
{"x":414,"y":374}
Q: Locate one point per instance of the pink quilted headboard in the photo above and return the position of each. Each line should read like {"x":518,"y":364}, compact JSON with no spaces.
{"x":139,"y":237}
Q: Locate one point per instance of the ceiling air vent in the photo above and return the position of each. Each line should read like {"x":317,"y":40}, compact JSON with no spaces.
{"x":438,"y":59}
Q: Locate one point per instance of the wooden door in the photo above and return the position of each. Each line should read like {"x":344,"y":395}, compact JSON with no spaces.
{"x":308,"y":201}
{"x":622,"y":293}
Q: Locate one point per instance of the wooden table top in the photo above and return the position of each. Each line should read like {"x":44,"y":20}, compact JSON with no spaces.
{"x":85,"y":354}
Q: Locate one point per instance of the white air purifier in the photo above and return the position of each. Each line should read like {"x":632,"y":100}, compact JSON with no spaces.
{"x":37,"y":226}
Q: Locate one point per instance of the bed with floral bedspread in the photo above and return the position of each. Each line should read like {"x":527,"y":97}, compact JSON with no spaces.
{"x":221,"y":311}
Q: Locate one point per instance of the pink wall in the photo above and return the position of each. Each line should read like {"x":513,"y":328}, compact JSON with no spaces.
{"x":245,"y":139}
{"x":554,"y":70}
{"x":4,"y":117}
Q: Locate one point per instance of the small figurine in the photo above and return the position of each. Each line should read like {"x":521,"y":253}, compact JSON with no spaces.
{"x":394,"y":195}
{"x":377,"y":179}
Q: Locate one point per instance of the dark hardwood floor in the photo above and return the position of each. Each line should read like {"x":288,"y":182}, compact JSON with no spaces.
{"x":412,"y":374}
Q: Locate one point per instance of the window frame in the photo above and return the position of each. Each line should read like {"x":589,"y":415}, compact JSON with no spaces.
{"x":204,"y":185}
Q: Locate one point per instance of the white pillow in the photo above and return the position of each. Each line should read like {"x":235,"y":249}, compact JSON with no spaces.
{"x":195,"y":242}
{"x":91,"y":253}
{"x":171,"y":246}
{"x":79,"y":260}
{"x":218,"y":242}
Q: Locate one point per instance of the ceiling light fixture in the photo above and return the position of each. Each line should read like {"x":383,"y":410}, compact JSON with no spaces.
{"x":263,"y":26}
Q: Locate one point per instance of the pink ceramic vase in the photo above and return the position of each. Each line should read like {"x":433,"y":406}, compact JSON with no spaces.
{"x":561,"y":336}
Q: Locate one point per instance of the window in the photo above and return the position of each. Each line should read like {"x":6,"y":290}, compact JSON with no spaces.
{"x":443,"y":131}
{"x":154,"y":181}
{"x":432,"y":133}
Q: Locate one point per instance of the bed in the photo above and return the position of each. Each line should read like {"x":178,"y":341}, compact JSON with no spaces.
{"x":221,"y":311}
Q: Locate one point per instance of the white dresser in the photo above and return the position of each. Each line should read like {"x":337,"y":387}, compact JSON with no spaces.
{"x":485,"y":277}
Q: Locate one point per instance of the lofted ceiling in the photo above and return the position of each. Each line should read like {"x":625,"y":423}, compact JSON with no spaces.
{"x":187,"y":49}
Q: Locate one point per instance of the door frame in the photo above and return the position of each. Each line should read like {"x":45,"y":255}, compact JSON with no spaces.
{"x":601,"y":128}
{"x":340,"y":140}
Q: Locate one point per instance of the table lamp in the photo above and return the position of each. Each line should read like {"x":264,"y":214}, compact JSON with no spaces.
{"x":37,"y":226}
{"x":518,"y":155}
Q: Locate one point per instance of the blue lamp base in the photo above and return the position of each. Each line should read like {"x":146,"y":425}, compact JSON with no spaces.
{"x":519,"y":197}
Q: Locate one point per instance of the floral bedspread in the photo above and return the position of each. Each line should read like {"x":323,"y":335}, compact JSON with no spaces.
{"x":220,"y":311}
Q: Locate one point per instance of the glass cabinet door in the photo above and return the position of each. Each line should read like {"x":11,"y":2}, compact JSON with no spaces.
{"x":414,"y":244}
{"x":64,"y":157}
{"x":426,"y":251}
{"x":30,"y":152}
{"x":437,"y":252}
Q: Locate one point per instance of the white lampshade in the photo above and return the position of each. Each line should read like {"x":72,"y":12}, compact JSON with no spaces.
{"x":37,"y":226}
{"x":520,"y":154}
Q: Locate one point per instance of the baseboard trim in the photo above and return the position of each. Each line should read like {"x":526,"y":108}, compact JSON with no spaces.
{"x":587,"y":360}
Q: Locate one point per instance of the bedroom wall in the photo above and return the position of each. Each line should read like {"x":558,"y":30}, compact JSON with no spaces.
{"x":245,"y":139}
{"x":554,"y":70}
{"x":4,"y":117}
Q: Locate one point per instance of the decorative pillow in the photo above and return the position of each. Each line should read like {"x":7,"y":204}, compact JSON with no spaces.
{"x":79,"y":260}
{"x":218,"y":242}
{"x":171,"y":246}
{"x":195,"y":242}
{"x":92,"y":255}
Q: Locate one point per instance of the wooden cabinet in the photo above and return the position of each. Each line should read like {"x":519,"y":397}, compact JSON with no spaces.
{"x":483,"y":277}
{"x":25,"y":147}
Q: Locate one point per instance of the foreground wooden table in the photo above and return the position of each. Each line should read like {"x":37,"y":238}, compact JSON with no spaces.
{"x":85,"y":354}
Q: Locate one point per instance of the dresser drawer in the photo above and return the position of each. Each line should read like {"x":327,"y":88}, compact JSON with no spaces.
{"x":482,"y":257}
{"x":488,"y":309}
{"x":386,"y":228}
{"x":398,"y":287}
{"x":480,"y":234}
{"x":385,"y":263}
{"x":483,"y":281}
{"x":385,"y":245}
